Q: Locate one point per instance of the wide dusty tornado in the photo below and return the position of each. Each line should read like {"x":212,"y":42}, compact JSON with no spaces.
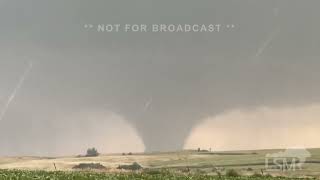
{"x":163,"y":84}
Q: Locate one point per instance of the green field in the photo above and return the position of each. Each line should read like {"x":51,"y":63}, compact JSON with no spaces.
{"x":60,"y":175}
{"x":186,"y":164}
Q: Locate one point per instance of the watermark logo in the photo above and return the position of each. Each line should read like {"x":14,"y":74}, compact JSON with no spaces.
{"x":288,"y":160}
{"x":160,"y":28}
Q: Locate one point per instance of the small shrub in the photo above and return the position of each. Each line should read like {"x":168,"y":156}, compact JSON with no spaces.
{"x":249,"y":169}
{"x":89,"y":166}
{"x":257,"y":175}
{"x":232,"y":173}
{"x":136,"y":166}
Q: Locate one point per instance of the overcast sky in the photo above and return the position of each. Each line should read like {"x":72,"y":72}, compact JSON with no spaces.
{"x":54,"y":73}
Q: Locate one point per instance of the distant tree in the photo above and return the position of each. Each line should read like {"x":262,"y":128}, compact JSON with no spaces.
{"x":92,"y":152}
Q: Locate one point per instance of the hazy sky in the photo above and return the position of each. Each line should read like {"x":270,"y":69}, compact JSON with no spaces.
{"x":159,"y":86}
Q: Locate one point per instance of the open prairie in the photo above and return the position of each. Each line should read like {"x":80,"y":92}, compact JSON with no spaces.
{"x":188,"y":161}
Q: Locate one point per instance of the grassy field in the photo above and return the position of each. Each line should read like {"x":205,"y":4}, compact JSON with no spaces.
{"x":62,"y":175}
{"x":246,"y":163}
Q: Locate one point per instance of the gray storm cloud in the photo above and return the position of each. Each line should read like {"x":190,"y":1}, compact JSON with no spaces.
{"x":161,"y":83}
